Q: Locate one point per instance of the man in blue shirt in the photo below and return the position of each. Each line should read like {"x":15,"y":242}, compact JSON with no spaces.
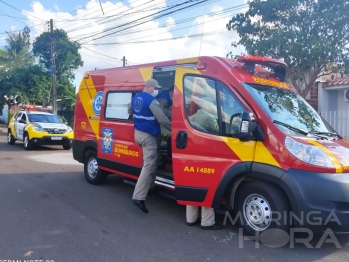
{"x":165,"y":99}
{"x":147,"y":117}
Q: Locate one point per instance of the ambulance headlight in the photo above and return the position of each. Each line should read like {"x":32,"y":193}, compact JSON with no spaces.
{"x":69,"y":129}
{"x":310,"y":154}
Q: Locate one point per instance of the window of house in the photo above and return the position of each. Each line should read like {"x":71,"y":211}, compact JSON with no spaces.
{"x":117,"y":105}
{"x":211,"y":106}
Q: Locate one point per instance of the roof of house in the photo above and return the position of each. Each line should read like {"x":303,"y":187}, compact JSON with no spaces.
{"x":337,"y":80}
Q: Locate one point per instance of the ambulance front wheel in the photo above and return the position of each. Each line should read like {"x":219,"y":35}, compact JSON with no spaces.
{"x":93,"y":174}
{"x":263,"y":210}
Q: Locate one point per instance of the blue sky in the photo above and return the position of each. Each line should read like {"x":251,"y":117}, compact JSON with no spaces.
{"x":158,"y":39}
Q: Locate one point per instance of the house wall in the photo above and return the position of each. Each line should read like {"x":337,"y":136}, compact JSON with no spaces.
{"x":342,"y":105}
{"x":4,"y":114}
{"x":333,"y":100}
{"x":328,"y":99}
{"x":323,"y":98}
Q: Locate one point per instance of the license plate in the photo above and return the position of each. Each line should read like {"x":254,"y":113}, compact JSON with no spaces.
{"x":56,"y":138}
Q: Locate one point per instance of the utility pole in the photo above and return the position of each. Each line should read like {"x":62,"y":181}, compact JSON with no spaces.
{"x":53,"y":70}
{"x":123,"y":61}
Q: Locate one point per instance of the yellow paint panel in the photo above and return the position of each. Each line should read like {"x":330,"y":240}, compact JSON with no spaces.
{"x":244,"y":150}
{"x":334,"y":160}
{"x":86,"y":98}
{"x":146,"y":72}
{"x":263,"y":155}
{"x":180,"y":72}
{"x":187,"y":60}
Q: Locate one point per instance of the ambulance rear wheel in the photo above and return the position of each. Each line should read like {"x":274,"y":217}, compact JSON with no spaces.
{"x":263,"y":210}
{"x":93,"y":174}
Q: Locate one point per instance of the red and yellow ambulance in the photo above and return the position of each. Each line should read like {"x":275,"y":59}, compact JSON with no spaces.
{"x":270,"y":157}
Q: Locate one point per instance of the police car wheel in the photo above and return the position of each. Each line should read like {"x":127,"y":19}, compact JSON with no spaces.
{"x":263,"y":209}
{"x":93,"y":174}
{"x":10,"y":139}
{"x":67,"y":147}
{"x":26,"y":142}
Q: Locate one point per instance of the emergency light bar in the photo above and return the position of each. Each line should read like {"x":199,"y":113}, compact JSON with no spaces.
{"x":34,"y":108}
{"x":279,"y":67}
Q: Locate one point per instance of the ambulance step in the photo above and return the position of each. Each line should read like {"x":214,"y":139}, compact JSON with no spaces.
{"x":160,"y":190}
{"x":166,"y":193}
{"x":130,"y":182}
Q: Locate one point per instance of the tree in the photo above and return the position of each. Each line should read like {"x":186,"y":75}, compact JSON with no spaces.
{"x":3,"y":59}
{"x":18,"y":48}
{"x":68,"y":58}
{"x":309,"y":35}
{"x":29,"y":82}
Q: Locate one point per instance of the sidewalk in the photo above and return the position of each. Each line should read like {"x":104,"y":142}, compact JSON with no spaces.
{"x":3,"y":127}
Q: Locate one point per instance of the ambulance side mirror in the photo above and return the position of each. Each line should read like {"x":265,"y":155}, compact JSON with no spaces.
{"x":245,"y":134}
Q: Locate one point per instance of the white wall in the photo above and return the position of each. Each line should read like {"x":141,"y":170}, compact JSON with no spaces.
{"x":342,"y":105}
{"x":4,"y":115}
{"x":322,"y":98}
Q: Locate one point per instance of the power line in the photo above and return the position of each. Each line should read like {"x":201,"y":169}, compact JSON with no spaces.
{"x":121,"y":14}
{"x":21,"y":30}
{"x":101,"y":58}
{"x":12,"y":17}
{"x":20,"y":10}
{"x":100,"y":53}
{"x":88,"y":12}
{"x":215,"y":32}
{"x":185,"y":20}
{"x":85,"y":26}
{"x":148,"y":16}
{"x":4,"y":14}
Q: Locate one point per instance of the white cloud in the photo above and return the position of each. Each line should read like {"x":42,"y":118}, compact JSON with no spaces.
{"x":216,"y":38}
{"x":170,"y":23}
{"x":56,"y":7}
{"x":217,"y":9}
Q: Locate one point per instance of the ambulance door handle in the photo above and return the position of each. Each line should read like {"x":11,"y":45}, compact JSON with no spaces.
{"x":181,"y":139}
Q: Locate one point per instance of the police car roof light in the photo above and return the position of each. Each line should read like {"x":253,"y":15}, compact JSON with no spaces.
{"x":35,"y":108}
{"x":279,"y":67}
{"x":28,"y":108}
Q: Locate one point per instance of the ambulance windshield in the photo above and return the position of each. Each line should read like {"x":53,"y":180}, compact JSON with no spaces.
{"x":292,"y":114}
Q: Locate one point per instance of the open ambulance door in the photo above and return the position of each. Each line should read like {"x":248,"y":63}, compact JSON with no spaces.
{"x":203,"y":143}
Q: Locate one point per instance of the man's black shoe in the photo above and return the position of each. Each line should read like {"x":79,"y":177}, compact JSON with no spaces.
{"x":213,"y":227}
{"x":140,"y":204}
{"x":197,"y":222}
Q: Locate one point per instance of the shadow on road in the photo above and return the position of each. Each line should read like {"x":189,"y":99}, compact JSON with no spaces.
{"x":106,"y":211}
{"x":18,"y":146}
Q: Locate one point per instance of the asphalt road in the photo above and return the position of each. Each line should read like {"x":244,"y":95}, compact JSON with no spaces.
{"x":49,"y":212}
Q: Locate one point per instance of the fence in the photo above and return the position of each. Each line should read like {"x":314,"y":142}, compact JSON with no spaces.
{"x":339,"y":120}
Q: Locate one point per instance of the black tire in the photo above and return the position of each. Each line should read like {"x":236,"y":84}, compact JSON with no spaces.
{"x":10,"y":139}
{"x":93,"y":174}
{"x":263,"y":210}
{"x":26,"y":142}
{"x":67,"y":147}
